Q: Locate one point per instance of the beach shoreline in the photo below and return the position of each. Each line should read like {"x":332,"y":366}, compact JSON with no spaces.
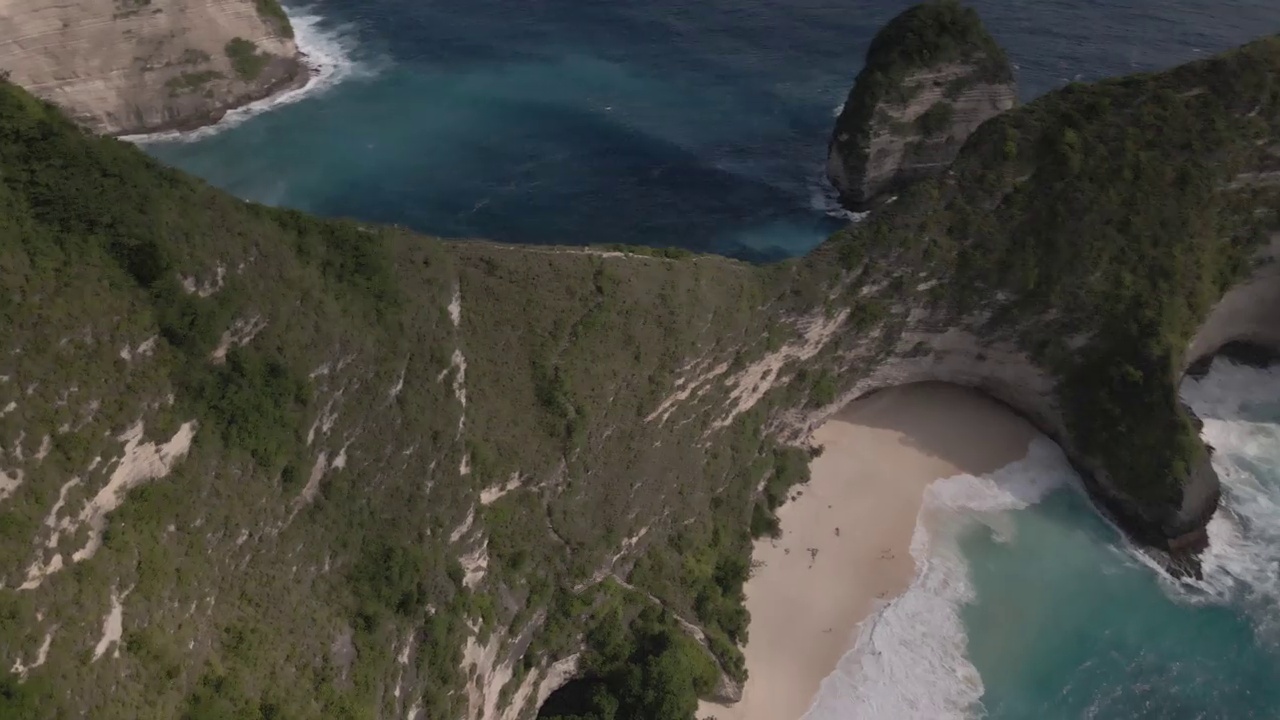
{"x":845,"y":543}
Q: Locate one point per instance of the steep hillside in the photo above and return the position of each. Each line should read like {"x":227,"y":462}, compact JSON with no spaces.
{"x":249,"y":454}
{"x":132,"y":66}
{"x":260,"y":465}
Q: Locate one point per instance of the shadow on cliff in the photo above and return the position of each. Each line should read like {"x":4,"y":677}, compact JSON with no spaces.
{"x":959,"y":425}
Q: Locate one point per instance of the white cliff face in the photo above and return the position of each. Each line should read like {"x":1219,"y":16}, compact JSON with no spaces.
{"x":908,"y":140}
{"x":128,"y":66}
{"x":1250,"y":312}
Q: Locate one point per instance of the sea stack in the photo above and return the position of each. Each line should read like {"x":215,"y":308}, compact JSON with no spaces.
{"x":932,"y":76}
{"x":120,"y":67}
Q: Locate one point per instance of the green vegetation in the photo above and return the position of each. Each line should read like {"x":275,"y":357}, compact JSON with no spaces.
{"x":21,"y":700}
{"x":1116,"y":224}
{"x":701,"y":571}
{"x":106,"y":253}
{"x":936,"y":120}
{"x":927,"y":35}
{"x":255,"y":403}
{"x":931,"y":34}
{"x":274,"y":14}
{"x":649,"y":670}
{"x":189,"y":82}
{"x":247,"y":62}
{"x":411,"y":445}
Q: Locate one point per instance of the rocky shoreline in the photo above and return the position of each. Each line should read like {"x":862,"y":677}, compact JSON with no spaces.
{"x":301,"y":74}
{"x":145,"y":69}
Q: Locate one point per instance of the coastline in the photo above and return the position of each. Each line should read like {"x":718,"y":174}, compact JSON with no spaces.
{"x":845,"y":547}
{"x":324,"y":59}
{"x":267,"y":95}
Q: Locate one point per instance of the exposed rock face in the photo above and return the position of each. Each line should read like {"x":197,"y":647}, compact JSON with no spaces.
{"x":932,"y":76}
{"x":1091,"y":347}
{"x":463,"y":452}
{"x":934,"y":346}
{"x":129,"y":66}
{"x":1249,"y":313}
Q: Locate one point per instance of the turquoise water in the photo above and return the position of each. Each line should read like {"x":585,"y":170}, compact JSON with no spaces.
{"x":704,"y":125}
{"x":1068,"y":623}
{"x":668,"y":122}
{"x":1029,"y":605}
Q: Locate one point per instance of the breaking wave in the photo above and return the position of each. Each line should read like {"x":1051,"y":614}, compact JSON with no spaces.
{"x":909,"y":659}
{"x":1240,"y":407}
{"x":329,"y":52}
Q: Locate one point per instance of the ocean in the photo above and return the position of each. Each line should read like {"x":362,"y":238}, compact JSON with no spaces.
{"x":704,"y":126}
{"x":1027,"y":604}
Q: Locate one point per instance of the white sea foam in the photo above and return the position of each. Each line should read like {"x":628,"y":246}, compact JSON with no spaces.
{"x":909,"y":659}
{"x":824,"y":198}
{"x":329,"y":53}
{"x":1240,"y":407}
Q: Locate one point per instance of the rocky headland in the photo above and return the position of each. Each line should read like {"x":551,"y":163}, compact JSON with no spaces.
{"x":255,"y":459}
{"x":122,"y":67}
{"x":932,"y":76}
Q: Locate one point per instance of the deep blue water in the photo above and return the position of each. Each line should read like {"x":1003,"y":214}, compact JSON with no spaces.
{"x":704,"y":125}
{"x":667,"y":122}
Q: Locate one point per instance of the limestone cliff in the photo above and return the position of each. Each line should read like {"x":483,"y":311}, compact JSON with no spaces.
{"x":255,"y":463}
{"x":1042,"y":274}
{"x":131,"y":66}
{"x":932,"y":76}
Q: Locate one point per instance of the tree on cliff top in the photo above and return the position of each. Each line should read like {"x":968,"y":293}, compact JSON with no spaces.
{"x":928,"y":35}
{"x":933,"y":33}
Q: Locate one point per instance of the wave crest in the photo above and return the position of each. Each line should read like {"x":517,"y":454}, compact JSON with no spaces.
{"x":329,"y":53}
{"x":1240,"y":407}
{"x":910,"y":659}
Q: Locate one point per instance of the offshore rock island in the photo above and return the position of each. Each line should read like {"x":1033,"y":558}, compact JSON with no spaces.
{"x":258,"y":461}
{"x":932,"y":76}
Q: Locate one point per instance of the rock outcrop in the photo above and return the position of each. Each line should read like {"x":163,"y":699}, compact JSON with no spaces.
{"x":932,"y":76}
{"x":1039,"y":301}
{"x":120,"y":67}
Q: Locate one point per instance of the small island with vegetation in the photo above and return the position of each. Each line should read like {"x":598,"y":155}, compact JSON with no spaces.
{"x":932,"y":76}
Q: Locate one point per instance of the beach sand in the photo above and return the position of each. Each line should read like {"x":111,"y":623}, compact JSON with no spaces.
{"x":845,"y":543}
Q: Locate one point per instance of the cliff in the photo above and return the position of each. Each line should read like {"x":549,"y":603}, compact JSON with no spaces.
{"x":254,"y":463}
{"x":932,"y":76}
{"x":1078,"y":256}
{"x":120,"y":67}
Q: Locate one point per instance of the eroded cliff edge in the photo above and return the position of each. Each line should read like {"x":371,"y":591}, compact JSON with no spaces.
{"x":1065,"y":264}
{"x":255,"y":459}
{"x":120,"y":67}
{"x":932,"y":76}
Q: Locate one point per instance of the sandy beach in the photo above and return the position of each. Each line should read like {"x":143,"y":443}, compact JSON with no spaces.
{"x":845,"y":543}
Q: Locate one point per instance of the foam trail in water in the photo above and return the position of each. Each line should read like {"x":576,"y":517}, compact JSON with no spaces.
{"x":824,"y":198}
{"x":329,"y":53}
{"x":1240,"y":407}
{"x":909,"y":659}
